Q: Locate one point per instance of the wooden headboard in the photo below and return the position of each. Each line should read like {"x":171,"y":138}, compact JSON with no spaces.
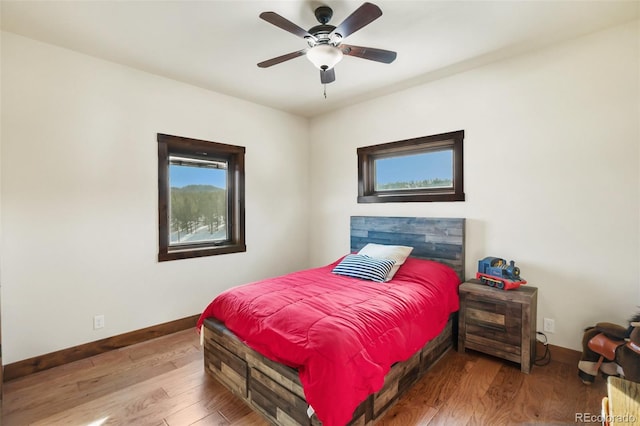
{"x":439,"y":239}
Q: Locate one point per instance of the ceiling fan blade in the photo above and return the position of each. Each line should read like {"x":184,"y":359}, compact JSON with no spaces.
{"x":279,"y":59}
{"x":373,"y":54}
{"x":328,"y":76}
{"x":362,"y":16}
{"x":285,"y":24}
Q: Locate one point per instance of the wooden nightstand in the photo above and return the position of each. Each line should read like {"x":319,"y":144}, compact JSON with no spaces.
{"x":501,"y":323}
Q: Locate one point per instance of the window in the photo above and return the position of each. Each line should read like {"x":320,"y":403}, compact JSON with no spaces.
{"x":200,"y":198}
{"x":414,"y":170}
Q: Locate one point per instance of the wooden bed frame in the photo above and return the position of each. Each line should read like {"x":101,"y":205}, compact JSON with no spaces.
{"x":274,"y":390}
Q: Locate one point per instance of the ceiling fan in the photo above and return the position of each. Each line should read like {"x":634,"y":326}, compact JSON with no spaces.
{"x":325,"y":48}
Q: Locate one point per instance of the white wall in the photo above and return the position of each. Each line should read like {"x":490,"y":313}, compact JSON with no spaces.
{"x":79,"y":197}
{"x":551,"y":171}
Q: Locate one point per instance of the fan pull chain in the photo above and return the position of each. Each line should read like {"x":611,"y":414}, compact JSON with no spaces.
{"x":325,"y":91}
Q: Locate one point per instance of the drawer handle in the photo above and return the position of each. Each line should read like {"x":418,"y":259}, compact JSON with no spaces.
{"x":494,"y":327}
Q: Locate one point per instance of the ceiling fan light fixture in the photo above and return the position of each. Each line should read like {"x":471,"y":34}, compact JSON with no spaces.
{"x":324,"y":56}
{"x":325,"y":48}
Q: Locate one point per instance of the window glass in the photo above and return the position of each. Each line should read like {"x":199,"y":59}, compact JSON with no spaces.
{"x":198,"y":206}
{"x":417,"y":171}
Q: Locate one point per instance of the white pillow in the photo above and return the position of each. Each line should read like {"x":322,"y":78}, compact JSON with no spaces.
{"x":380,"y":251}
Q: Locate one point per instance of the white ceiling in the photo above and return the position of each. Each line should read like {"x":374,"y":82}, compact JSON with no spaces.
{"x":217,"y":44}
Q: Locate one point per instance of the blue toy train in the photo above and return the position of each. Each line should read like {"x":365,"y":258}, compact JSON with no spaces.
{"x":495,"y":272}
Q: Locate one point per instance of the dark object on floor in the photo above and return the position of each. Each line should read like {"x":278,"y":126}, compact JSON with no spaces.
{"x":612,"y":349}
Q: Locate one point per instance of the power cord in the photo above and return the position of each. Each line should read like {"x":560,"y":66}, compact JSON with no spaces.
{"x":546,"y":357}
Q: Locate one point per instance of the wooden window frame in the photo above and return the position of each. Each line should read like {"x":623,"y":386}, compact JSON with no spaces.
{"x":200,"y":149}
{"x":366,"y":169}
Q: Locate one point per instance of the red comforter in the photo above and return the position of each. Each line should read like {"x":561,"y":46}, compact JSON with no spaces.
{"x":341,"y":333}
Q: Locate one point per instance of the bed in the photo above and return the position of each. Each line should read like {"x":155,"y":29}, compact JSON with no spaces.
{"x":266,"y":368}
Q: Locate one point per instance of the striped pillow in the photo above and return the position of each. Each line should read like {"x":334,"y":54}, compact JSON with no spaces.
{"x":364,"y":267}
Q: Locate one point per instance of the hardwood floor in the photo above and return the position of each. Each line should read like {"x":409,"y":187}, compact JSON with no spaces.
{"x":162,"y":382}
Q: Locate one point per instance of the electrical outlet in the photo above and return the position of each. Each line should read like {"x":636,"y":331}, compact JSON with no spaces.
{"x":98,"y":322}
{"x":549,"y":325}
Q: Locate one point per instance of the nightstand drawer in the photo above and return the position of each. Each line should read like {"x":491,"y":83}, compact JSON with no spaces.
{"x":494,"y":320}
